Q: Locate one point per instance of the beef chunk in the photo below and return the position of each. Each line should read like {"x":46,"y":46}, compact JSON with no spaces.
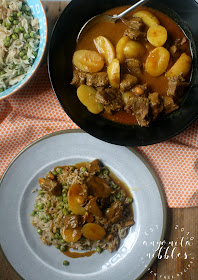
{"x":71,"y":221}
{"x":175,"y":85}
{"x":94,"y":166}
{"x":128,"y":82}
{"x":133,"y":62}
{"x":111,"y":99}
{"x":180,"y":42}
{"x":114,"y":213}
{"x":93,"y":207}
{"x":139,"y":106}
{"x":136,"y":23}
{"x":134,"y":65}
{"x":173,"y":50}
{"x":169,"y":104}
{"x":172,"y":87}
{"x":51,"y":186}
{"x":79,"y":78}
{"x":176,"y":48}
{"x":98,"y":187}
{"x":156,"y":104}
{"x":183,"y":41}
{"x":135,"y":31}
{"x":91,"y":79}
{"x":134,"y":34}
{"x":99,"y":79}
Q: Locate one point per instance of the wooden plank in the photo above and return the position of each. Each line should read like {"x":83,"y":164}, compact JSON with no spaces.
{"x":182,"y":253}
{"x":53,"y":11}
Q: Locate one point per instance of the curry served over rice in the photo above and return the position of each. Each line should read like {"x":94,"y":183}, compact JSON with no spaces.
{"x":135,"y":70}
{"x":82,"y":207}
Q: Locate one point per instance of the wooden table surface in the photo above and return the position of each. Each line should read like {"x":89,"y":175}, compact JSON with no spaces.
{"x":179,"y":260}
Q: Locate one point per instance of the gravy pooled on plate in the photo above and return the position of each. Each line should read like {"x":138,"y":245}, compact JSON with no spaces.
{"x":135,"y":70}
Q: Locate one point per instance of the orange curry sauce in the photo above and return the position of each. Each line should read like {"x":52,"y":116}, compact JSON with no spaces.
{"x":114,"y":32}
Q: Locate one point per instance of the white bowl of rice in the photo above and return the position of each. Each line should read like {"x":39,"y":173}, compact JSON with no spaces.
{"x":23,"y":37}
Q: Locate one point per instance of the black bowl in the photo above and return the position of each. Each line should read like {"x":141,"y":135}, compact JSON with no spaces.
{"x":62,"y":47}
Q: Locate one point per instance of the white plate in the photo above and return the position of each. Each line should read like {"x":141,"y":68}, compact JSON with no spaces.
{"x":19,"y":239}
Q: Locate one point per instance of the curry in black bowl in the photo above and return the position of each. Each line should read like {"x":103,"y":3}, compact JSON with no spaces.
{"x":132,"y":83}
{"x":134,"y":70}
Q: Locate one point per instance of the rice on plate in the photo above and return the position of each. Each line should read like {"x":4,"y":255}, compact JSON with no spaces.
{"x":82,"y":207}
{"x":19,"y":41}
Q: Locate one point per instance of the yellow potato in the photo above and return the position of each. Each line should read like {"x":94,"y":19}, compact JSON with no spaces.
{"x":119,"y":48}
{"x":88,"y":61}
{"x":105,"y":48}
{"x":157,"y":35}
{"x":93,"y":231}
{"x":126,"y":96}
{"x":157,"y":61}
{"x":113,"y":72}
{"x":181,"y":67}
{"x":133,"y":49}
{"x":148,"y":18}
{"x":87,"y":96}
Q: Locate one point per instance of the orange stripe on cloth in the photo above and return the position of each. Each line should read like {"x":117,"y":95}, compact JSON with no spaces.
{"x":34,"y":112}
